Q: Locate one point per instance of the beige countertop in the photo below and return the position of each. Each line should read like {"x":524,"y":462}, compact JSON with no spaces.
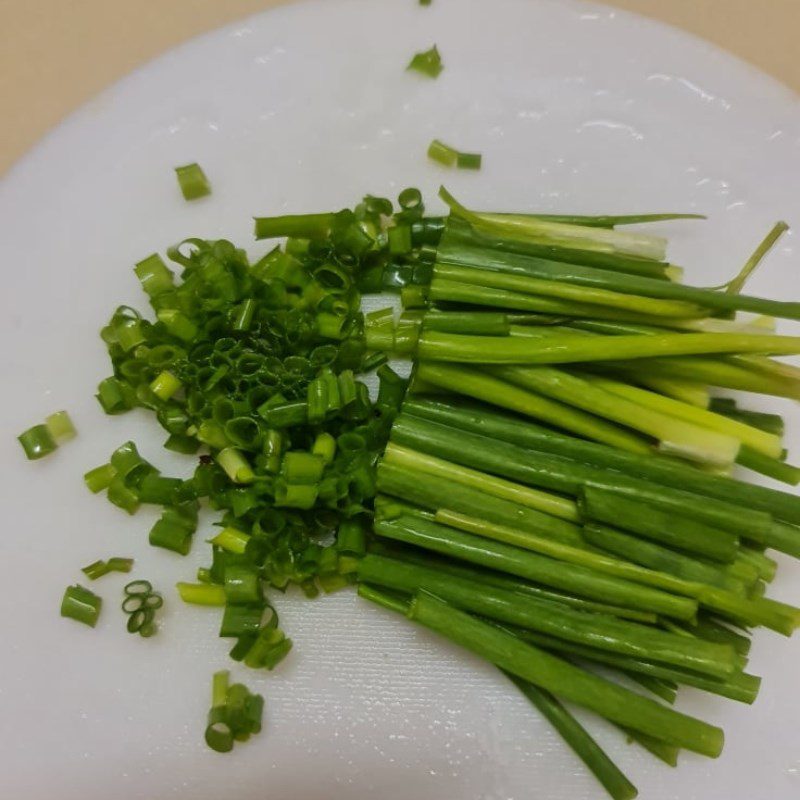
{"x":56,"y":54}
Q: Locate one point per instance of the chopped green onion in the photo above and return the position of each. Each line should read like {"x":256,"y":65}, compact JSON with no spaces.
{"x":427,"y":62}
{"x":165,"y":385}
{"x":99,"y":568}
{"x":232,"y":540}
{"x":60,"y":426}
{"x":201,"y":594}
{"x":450,"y":157}
{"x":37,"y":442}
{"x":193,"y":181}
{"x":156,"y":278}
{"x":81,"y":604}
{"x":235,"y":465}
{"x":99,"y":478}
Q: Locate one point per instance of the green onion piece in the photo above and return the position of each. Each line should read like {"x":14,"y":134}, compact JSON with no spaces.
{"x":269,"y":649}
{"x":300,"y":467}
{"x":242,"y":584}
{"x":736,"y":285}
{"x":155,"y":276}
{"x":351,"y":538}
{"x":165,"y":385}
{"x":193,"y":181}
{"x":99,"y":568}
{"x":324,"y":447}
{"x":232,"y":540}
{"x":469,"y":160}
{"x":444,"y":154}
{"x":391,"y":389}
{"x":179,"y":443}
{"x":175,"y":528}
{"x":240,"y":620}
{"x":576,"y":736}
{"x":413,"y":297}
{"x":60,"y":426}
{"x":177,"y":324}
{"x":235,"y":465}
{"x":201,"y":594}
{"x":272,"y":447}
{"x":123,"y":496}
{"x":81,"y":604}
{"x":289,"y":495}
{"x":99,"y":478}
{"x":425,"y":2}
{"x":305,"y":226}
{"x":115,"y":396}
{"x":37,"y":442}
{"x":427,"y":62}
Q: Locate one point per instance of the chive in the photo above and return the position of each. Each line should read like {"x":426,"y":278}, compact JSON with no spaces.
{"x":307,"y":226}
{"x":97,"y":569}
{"x":193,"y":181}
{"x":736,"y":285}
{"x":37,"y":442}
{"x":564,"y":680}
{"x":427,"y":62}
{"x":576,"y":736}
{"x":203,"y":594}
{"x":81,"y":604}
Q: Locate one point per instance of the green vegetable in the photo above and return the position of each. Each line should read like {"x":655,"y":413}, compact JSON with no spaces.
{"x":193,"y":181}
{"x":37,"y":442}
{"x":235,"y":714}
{"x":450,"y":157}
{"x":81,"y":604}
{"x":566,"y":681}
{"x":427,"y":62}
{"x":97,"y":569}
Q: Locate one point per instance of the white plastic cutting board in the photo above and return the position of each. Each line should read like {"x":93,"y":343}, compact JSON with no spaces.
{"x":575,"y":108}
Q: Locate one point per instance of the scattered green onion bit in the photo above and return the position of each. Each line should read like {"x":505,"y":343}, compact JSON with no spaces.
{"x":81,"y":604}
{"x":235,"y":714}
{"x":193,"y":181}
{"x":37,"y":442}
{"x":60,"y":426}
{"x":450,"y":157}
{"x":141,"y":604}
{"x":427,"y":62}
{"x":99,"y":568}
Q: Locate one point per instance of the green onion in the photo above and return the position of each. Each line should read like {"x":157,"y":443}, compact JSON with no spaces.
{"x":165,"y":385}
{"x":232,"y":540}
{"x":154,"y":275}
{"x":427,"y":62}
{"x":575,"y":735}
{"x":193,"y":181}
{"x":202,"y":594}
{"x":565,"y":681}
{"x":99,"y":478}
{"x":37,"y":442}
{"x":97,"y":569}
{"x":60,"y":426}
{"x":81,"y":604}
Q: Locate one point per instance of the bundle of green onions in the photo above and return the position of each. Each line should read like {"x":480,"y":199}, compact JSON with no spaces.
{"x":576,"y":509}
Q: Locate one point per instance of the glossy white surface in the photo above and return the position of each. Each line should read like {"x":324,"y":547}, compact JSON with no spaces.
{"x":575,"y":108}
